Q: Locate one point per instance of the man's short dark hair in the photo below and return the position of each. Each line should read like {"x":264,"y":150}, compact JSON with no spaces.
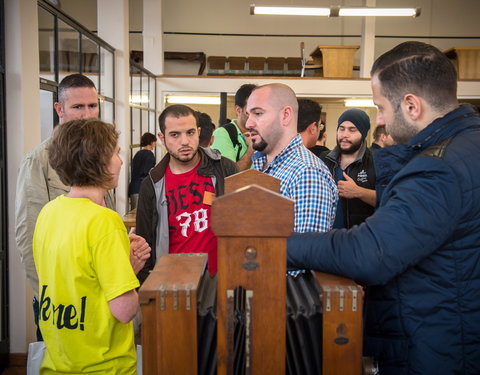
{"x":308,"y":111}
{"x":73,"y":81}
{"x":80,"y":152}
{"x":242,"y":94}
{"x":177,"y":111}
{"x":420,"y":69}
{"x":147,"y":139}
{"x":379,"y":130}
{"x":207,"y":127}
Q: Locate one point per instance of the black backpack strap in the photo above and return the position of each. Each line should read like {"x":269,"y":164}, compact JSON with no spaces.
{"x":232,"y":132}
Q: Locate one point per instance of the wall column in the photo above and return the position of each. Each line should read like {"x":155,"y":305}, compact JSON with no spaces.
{"x":153,"y":36}
{"x":113,"y":26}
{"x":23,"y":131}
{"x":368,"y":42}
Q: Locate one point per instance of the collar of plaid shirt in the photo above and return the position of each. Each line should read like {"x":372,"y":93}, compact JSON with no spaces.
{"x":260,"y":159}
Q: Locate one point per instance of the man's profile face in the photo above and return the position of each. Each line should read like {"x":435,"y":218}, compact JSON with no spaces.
{"x":78,"y":103}
{"x":263,"y":120}
{"x":349,"y":138}
{"x":181,"y":138}
{"x":316,"y":133}
{"x":392,"y":118}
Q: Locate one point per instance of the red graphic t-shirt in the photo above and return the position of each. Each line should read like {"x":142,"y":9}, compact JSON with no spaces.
{"x":189,"y":199}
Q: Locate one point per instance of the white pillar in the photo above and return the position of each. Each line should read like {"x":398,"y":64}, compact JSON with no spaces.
{"x":368,"y":42}
{"x":113,"y":26}
{"x":23,"y":131}
{"x":153,"y":36}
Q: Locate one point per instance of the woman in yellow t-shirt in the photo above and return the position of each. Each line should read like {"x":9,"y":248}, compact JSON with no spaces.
{"x":82,"y":255}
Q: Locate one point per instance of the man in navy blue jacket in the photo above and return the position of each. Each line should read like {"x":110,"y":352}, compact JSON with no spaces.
{"x":419,"y":254}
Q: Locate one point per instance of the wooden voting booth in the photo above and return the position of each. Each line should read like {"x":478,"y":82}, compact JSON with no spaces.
{"x":252,"y":224}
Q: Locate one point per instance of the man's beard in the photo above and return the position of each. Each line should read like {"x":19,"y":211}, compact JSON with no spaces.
{"x":258,"y":146}
{"x":400,"y":130}
{"x":183,"y":158}
{"x":354,"y":147}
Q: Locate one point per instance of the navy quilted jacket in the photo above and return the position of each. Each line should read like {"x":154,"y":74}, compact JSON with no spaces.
{"x":419,"y":254}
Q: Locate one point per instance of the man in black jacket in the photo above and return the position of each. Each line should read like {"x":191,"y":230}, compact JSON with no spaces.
{"x":381,"y":138}
{"x":351,"y":165}
{"x":174,"y":205}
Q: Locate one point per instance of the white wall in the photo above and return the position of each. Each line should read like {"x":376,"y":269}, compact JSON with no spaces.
{"x":23,"y":130}
{"x":438,"y":18}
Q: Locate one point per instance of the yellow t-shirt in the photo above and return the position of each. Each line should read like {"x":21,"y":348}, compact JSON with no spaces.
{"x":81,"y":253}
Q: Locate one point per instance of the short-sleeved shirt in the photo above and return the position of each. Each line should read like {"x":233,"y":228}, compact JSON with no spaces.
{"x":81,"y":253}
{"x":189,"y":198}
{"x":223,"y":143}
{"x":307,"y":181}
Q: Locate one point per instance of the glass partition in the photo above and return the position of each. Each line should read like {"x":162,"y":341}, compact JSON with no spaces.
{"x":46,"y":43}
{"x":106,"y":73}
{"x":143,"y":107}
{"x":90,"y":60}
{"x":47,"y":118}
{"x":107,"y":110}
{"x":67,"y":47}
{"x":69,"y":50}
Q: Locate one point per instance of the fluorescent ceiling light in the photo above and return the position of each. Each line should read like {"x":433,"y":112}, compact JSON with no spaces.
{"x":192,"y":99}
{"x":290,"y":11}
{"x":334,"y":11}
{"x":401,"y":12}
{"x":359,"y":103}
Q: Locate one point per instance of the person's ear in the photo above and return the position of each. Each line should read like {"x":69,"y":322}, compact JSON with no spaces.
{"x":412,"y":107}
{"x":238,"y":110}
{"x":286,"y":115}
{"x":58,"y":109}
{"x":312,"y":128}
{"x":161,"y":137}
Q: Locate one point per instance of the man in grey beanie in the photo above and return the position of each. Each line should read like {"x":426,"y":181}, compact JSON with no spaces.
{"x":351,"y":165}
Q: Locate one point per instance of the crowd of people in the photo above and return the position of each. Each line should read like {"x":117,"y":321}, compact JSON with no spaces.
{"x":398,"y":217}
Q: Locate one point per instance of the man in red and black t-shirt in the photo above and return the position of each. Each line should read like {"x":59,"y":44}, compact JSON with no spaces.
{"x":174,"y":205}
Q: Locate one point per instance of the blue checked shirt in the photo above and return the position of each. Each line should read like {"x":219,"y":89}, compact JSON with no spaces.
{"x":306,"y":180}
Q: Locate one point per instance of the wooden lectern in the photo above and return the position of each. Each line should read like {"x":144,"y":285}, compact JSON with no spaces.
{"x":337,"y":61}
{"x":466,"y":60}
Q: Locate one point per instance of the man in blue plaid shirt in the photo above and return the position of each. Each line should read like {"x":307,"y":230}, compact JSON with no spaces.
{"x":272,"y":122}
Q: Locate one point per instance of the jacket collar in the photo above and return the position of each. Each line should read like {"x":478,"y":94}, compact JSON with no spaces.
{"x":389,"y":160}
{"x":260,"y":158}
{"x":442,"y":128}
{"x":334,"y":155}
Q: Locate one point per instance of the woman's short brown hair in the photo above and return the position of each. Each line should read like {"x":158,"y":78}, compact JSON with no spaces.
{"x":80,"y":152}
